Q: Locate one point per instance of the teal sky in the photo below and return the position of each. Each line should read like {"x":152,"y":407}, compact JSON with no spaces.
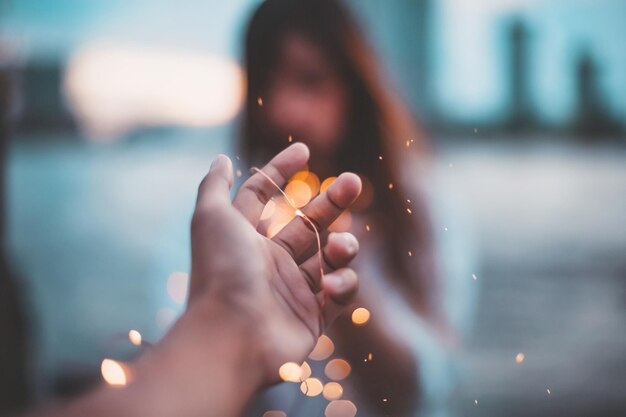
{"x":469,"y":73}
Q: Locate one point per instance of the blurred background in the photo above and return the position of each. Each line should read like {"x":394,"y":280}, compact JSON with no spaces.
{"x":112,"y":111}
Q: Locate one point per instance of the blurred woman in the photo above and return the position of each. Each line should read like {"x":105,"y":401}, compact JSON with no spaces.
{"x":313,"y":78}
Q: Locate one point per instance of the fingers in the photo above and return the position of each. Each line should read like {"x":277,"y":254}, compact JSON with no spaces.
{"x":338,"y":289}
{"x":338,"y":253}
{"x":298,"y":235}
{"x":257,"y":190}
{"x":216,"y":184}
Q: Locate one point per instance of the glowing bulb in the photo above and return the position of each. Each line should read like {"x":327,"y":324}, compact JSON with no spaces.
{"x":360,"y":316}
{"x":340,"y":408}
{"x":299,"y":193}
{"x":290,"y":372}
{"x":326,"y":183}
{"x":135,"y":337}
{"x":337,"y":369}
{"x":367,"y":227}
{"x":268,"y":210}
{"x":312,"y":387}
{"x":474,"y":277}
{"x":341,"y":223}
{"x":410,"y":253}
{"x":519,"y":358}
{"x":408,"y":210}
{"x":323,"y":349}
{"x":274,"y":413}
{"x":305,"y":371}
{"x":390,"y":186}
{"x":259,"y":101}
{"x":275,"y":228}
{"x":165,"y":317}
{"x":177,"y":284}
{"x":333,"y":391}
{"x":548,"y":391}
{"x":290,"y":138}
{"x":299,"y":213}
{"x":113,"y":372}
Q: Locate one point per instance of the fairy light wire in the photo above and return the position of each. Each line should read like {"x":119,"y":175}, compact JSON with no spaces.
{"x":300,"y":214}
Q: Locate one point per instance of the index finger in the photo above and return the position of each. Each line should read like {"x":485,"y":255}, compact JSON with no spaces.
{"x":254,"y":194}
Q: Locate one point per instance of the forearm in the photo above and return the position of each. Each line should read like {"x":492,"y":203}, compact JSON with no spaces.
{"x":202,"y":368}
{"x":388,"y":379}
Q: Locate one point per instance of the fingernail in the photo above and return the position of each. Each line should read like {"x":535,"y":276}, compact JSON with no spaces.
{"x":220,"y":160}
{"x":352,"y":244}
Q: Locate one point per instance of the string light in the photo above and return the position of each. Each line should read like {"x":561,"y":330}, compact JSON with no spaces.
{"x":326,"y":183}
{"x":290,"y":372}
{"x":312,"y":387}
{"x":390,"y":186}
{"x":360,"y":316}
{"x":114,"y":372}
{"x":274,"y":413}
{"x":260,"y":101}
{"x":474,"y":277}
{"x":135,"y":337}
{"x":302,"y":215}
{"x":305,"y":371}
{"x":177,"y":284}
{"x":337,"y":369}
{"x":290,"y":138}
{"x":367,"y":227}
{"x":332,"y":391}
{"x":408,"y":210}
{"x":410,"y":253}
{"x":323,"y":348}
{"x":520,"y":357}
{"x":340,"y":408}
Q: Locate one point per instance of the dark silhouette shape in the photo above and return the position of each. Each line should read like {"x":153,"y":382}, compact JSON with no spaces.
{"x":14,"y":390}
{"x":520,"y":107}
{"x":592,"y":115}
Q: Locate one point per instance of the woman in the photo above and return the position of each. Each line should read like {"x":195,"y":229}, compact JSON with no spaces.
{"x":313,"y":78}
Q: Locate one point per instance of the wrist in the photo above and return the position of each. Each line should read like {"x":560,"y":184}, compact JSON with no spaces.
{"x":206,"y":365}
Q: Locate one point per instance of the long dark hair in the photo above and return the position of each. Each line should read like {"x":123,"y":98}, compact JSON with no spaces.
{"x":382,"y":144}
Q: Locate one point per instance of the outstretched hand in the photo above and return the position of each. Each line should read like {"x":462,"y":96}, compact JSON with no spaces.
{"x":281,"y":299}
{"x":254,"y":303}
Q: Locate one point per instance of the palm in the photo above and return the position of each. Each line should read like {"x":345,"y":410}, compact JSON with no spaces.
{"x":266,"y":281}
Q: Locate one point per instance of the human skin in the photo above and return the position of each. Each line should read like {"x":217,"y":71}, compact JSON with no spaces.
{"x":251,"y":306}
{"x":308,"y":98}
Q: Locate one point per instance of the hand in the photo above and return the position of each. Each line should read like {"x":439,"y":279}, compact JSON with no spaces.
{"x":253,"y":303}
{"x":280,"y":299}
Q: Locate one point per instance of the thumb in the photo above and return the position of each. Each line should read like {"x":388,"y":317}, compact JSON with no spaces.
{"x":216,"y":184}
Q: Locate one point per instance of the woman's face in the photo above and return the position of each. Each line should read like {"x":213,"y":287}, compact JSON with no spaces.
{"x":306,"y":98}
